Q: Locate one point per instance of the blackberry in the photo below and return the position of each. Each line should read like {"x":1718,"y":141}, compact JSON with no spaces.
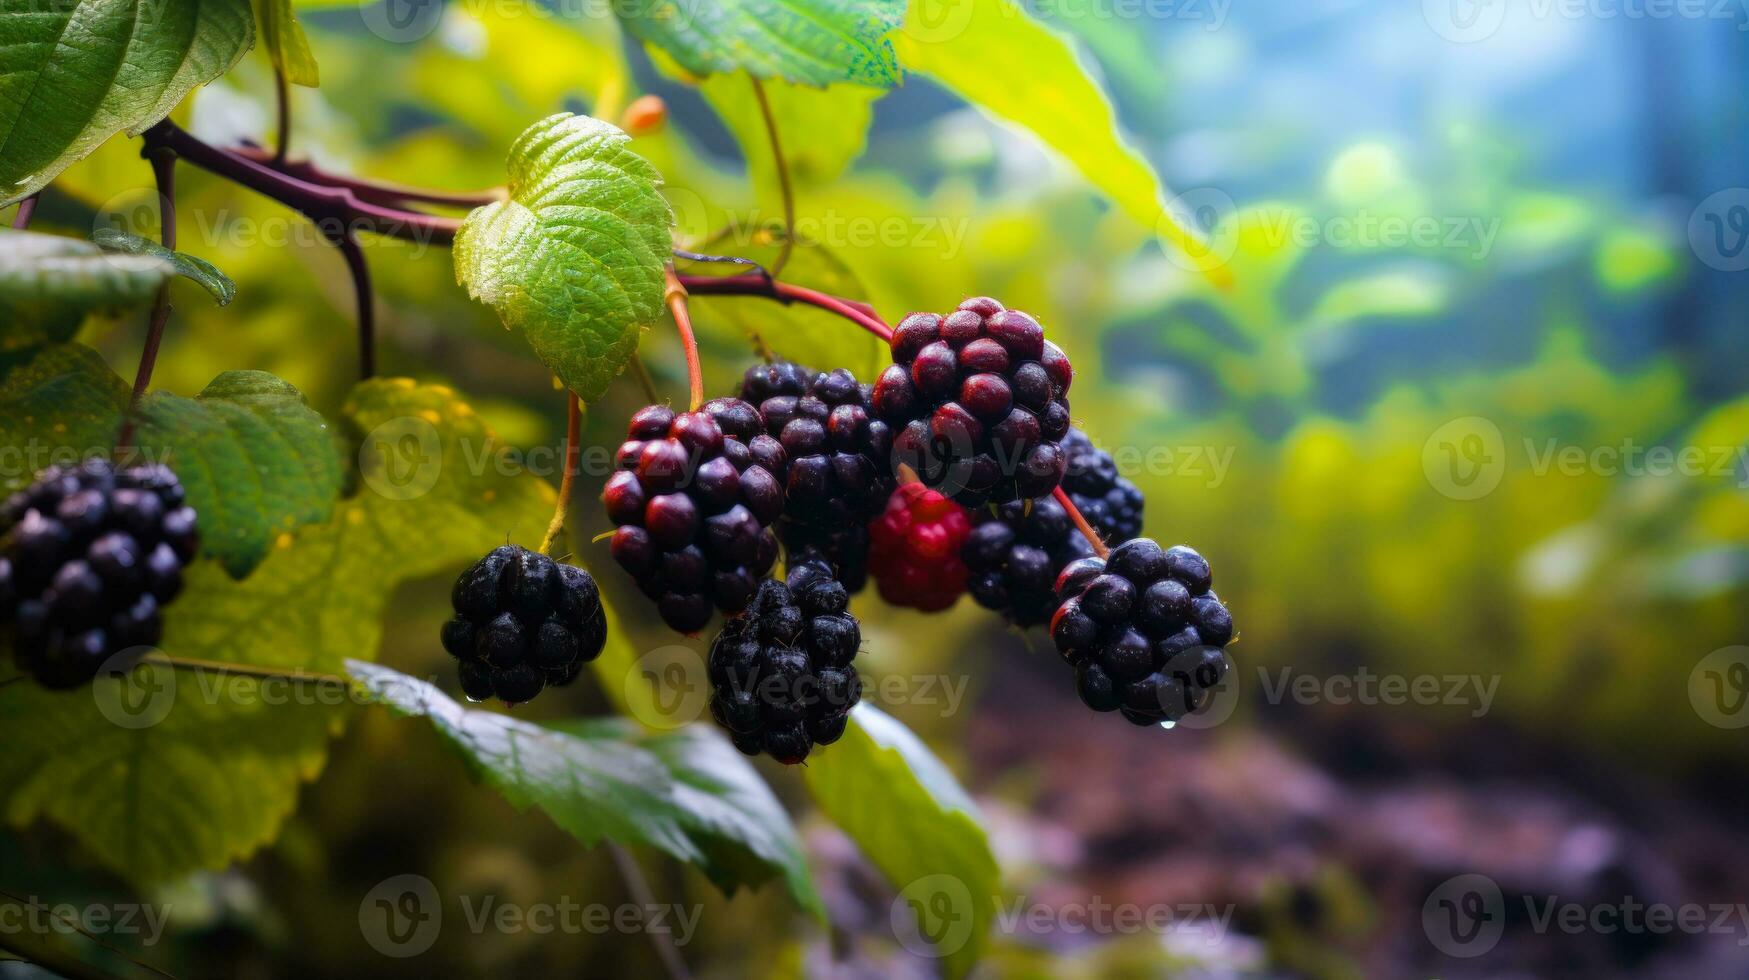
{"x":782,"y":674}
{"x":914,"y":549}
{"x":89,"y":556}
{"x":693,"y":498}
{"x":1143,"y":631}
{"x":522,"y":622}
{"x":1110,"y":502}
{"x":979,"y":401}
{"x":1015,"y":554}
{"x":838,"y":470}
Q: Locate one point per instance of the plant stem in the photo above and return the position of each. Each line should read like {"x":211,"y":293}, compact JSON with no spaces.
{"x":783,"y":183}
{"x":573,"y":451}
{"x":1081,"y":524}
{"x":367,"y":342}
{"x":759,"y":284}
{"x":675,"y":297}
{"x":35,"y":949}
{"x":282,"y":93}
{"x":642,"y":373}
{"x":245,"y":670}
{"x":666,"y":951}
{"x":26,"y":208}
{"x":381,"y":192}
{"x":163,"y":161}
{"x":333,"y":208}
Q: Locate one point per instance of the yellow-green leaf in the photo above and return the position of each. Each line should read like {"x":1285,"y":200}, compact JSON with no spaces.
{"x":283,"y":38}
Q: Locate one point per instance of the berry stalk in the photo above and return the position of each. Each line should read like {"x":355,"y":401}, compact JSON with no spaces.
{"x":26,"y":208}
{"x":675,"y":297}
{"x":163,"y":160}
{"x":783,"y":182}
{"x":573,"y":450}
{"x":761,"y":284}
{"x":1081,"y":524}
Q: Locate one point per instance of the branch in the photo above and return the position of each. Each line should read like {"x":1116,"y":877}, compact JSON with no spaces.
{"x":783,"y":185}
{"x":367,"y":344}
{"x":163,"y":162}
{"x":372,"y":191}
{"x":339,"y":208}
{"x":759,"y":284}
{"x":573,"y":450}
{"x":26,"y":208}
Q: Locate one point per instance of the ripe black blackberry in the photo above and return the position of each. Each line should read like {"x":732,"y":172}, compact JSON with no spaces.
{"x":979,"y":402}
{"x":89,"y":556}
{"x":693,"y":498}
{"x":782,"y":674}
{"x":1110,"y":502}
{"x":522,"y":621}
{"x":1143,"y":631}
{"x":839,"y":470}
{"x":1015,"y":554}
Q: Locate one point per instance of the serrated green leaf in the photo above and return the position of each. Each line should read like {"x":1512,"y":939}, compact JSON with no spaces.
{"x":884,"y":788}
{"x":815,"y":42}
{"x":1048,"y":93}
{"x":74,"y":74}
{"x":687,"y":793}
{"x":574,"y":258}
{"x":117,"y":241}
{"x":48,"y":284}
{"x":217,"y":776}
{"x":58,"y":404}
{"x":257,"y":461}
{"x":283,"y":39}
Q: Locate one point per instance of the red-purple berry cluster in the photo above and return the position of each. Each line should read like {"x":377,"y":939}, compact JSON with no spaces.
{"x":979,"y":399}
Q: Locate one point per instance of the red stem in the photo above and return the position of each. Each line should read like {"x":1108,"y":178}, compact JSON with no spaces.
{"x":372,"y":191}
{"x":676,"y":300}
{"x":367,"y":334}
{"x":26,"y":208}
{"x":1081,"y":524}
{"x":163,"y":161}
{"x":760,"y":284}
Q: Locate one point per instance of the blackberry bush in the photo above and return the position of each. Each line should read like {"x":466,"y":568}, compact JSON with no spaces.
{"x":979,"y":402}
{"x":522,"y":621}
{"x":914,"y":549}
{"x":782,"y":675}
{"x":88,"y":559}
{"x":839,"y":461}
{"x":1143,"y":630}
{"x":693,"y":498}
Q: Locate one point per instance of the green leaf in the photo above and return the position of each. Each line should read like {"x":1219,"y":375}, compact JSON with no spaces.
{"x":48,"y":284}
{"x":216,"y":777}
{"x":574,"y":258}
{"x":885,"y":789}
{"x":74,"y":74}
{"x":998,"y":57}
{"x":822,"y":130}
{"x":256,"y":460}
{"x":283,"y":38}
{"x":815,"y":42}
{"x":687,"y":793}
{"x":58,"y":404}
{"x":115,"y":240}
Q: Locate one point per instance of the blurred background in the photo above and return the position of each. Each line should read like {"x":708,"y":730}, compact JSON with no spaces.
{"x":1465,"y":444}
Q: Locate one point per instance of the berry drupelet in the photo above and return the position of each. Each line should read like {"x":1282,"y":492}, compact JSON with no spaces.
{"x":522,"y":622}
{"x":839,"y":461}
{"x":978,"y":399}
{"x":1015,"y":554}
{"x":1143,"y":631}
{"x":782,"y":674}
{"x":693,"y":497}
{"x":1110,"y":502}
{"x":914,"y":549}
{"x":89,"y":556}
